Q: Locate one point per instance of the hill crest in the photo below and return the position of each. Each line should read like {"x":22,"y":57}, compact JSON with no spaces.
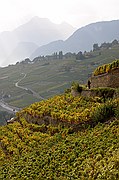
{"x":83,"y":38}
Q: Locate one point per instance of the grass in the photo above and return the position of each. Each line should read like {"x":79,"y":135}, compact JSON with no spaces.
{"x":51,"y":79}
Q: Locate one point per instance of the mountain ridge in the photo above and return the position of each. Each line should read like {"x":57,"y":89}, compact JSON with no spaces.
{"x":38,"y":30}
{"x":80,"y":40}
{"x":84,"y":38}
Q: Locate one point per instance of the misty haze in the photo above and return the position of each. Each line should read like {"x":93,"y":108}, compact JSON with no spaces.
{"x":59,"y":90}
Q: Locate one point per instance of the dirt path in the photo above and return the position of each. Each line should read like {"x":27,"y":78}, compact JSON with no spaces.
{"x":35,"y":94}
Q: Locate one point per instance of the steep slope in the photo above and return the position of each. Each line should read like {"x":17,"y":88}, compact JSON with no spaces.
{"x":99,"y":32}
{"x":83,"y":38}
{"x":48,"y":49}
{"x":49,"y":77}
{"x":51,"y":151}
{"x":42,"y":31}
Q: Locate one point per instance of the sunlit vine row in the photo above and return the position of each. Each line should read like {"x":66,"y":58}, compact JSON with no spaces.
{"x":91,"y":154}
{"x":64,"y":108}
{"x":106,"y":68}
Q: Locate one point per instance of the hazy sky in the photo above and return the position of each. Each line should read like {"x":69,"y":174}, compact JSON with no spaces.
{"x":76,"y":12}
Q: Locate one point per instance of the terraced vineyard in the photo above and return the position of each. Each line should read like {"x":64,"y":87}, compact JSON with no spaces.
{"x":49,"y":77}
{"x":106,"y":68}
{"x":28,"y":153}
{"x":69,"y":109}
{"x":64,"y":137}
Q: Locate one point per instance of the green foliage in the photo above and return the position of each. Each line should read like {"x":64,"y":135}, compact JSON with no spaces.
{"x":72,"y":111}
{"x":75,"y":86}
{"x":105,"y":93}
{"x":117,"y":108}
{"x":80,"y":56}
{"x":103,"y":112}
{"x":95,"y":47}
{"x":67,"y":90}
{"x":27,"y":153}
{"x":50,"y":77}
{"x":44,"y":143}
{"x":105,"y":45}
{"x":62,"y":108}
{"x":106,"y":68}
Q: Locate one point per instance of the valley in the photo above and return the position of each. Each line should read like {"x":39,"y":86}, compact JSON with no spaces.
{"x":59,"y":90}
{"x":64,"y":137}
{"x":72,"y":135}
{"x":23,"y":84}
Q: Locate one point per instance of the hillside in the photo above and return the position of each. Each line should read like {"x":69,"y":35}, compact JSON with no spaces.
{"x":44,"y":142}
{"x":64,"y":137}
{"x":93,"y":154}
{"x":106,"y":75}
{"x":49,"y":77}
{"x":83,"y":38}
{"x":40,"y":36}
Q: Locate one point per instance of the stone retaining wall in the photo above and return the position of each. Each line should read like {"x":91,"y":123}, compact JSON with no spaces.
{"x":110,"y":79}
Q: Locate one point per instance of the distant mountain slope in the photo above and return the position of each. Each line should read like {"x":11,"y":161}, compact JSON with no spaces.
{"x":22,"y":50}
{"x":48,"y":49}
{"x":38,"y":31}
{"x":84,"y":38}
{"x":42,"y":31}
{"x":49,"y":77}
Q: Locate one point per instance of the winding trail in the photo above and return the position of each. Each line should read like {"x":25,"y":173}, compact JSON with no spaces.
{"x":30,"y":91}
{"x":17,"y":83}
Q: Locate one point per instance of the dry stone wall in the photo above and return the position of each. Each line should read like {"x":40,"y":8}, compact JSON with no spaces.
{"x":110,"y":79}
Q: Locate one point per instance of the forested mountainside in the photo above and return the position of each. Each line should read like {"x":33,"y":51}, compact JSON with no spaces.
{"x":64,"y":137}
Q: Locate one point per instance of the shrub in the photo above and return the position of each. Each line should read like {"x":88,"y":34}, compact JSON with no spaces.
{"x":67,"y":91}
{"x":105,"y":93}
{"x":117,"y":108}
{"x":103,"y":112}
{"x":75,"y":86}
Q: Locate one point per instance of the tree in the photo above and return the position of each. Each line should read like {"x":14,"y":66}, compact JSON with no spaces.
{"x":105,"y":45}
{"x":60,"y":55}
{"x":56,"y":55}
{"x":95,"y":47}
{"x":115,"y":42}
{"x":80,"y":56}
